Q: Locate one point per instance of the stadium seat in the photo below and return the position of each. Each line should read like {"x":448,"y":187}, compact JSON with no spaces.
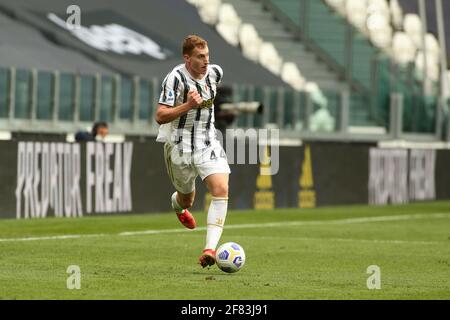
{"x":432,"y":46}
{"x":228,"y":24}
{"x":413,"y":27}
{"x":432,"y":65}
{"x":250,"y":41}
{"x":316,"y":94}
{"x":378,"y":6}
{"x":378,"y":23}
{"x":396,"y":14}
{"x":403,"y":48}
{"x":269,"y":58}
{"x":380,"y":29}
{"x":338,"y":5}
{"x":209,"y":11}
{"x":291,"y":74}
{"x":322,"y":120}
{"x":357,"y":13}
{"x":382,"y":37}
{"x":198,"y":3}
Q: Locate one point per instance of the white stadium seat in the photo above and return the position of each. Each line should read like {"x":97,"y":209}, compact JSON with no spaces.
{"x":377,"y":21}
{"x":379,"y":28}
{"x":228,"y":15}
{"x":396,"y":14}
{"x":228,"y":25}
{"x":269,"y":58}
{"x":403,"y":48}
{"x":338,"y":5}
{"x":197,"y":3}
{"x":357,"y":13}
{"x":209,"y":11}
{"x":316,"y":94}
{"x":250,"y":41}
{"x":380,"y":6}
{"x":432,"y":46}
{"x":432,"y":66}
{"x":298,"y":84}
{"x":382,"y":37}
{"x":321,"y":120}
{"x":291,"y":75}
{"x":413,"y":27}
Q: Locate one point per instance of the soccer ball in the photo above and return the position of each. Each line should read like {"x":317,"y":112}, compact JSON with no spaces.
{"x":230,"y":257}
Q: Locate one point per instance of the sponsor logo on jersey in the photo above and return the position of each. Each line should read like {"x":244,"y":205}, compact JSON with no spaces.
{"x":207,"y":103}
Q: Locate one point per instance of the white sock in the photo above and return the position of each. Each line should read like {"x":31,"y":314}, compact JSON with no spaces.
{"x":215,"y":221}
{"x":175,"y":204}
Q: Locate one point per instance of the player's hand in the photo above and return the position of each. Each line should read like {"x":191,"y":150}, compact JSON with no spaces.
{"x":194,"y":98}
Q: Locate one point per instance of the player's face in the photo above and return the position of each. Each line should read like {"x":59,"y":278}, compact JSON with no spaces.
{"x":198,"y":61}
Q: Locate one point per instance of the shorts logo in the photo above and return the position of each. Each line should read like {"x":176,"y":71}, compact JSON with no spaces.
{"x":213,"y":156}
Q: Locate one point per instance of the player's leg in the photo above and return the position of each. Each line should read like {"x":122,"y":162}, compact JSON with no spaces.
{"x":183,"y":175}
{"x":217,"y":185}
{"x":214,"y":170}
{"x":181,"y":202}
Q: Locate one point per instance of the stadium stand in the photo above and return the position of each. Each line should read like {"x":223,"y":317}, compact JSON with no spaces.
{"x":309,"y":62}
{"x":118,"y":20}
{"x":25,"y":47}
{"x":410,"y":7}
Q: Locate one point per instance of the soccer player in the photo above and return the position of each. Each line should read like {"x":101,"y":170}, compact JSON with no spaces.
{"x":186,"y":117}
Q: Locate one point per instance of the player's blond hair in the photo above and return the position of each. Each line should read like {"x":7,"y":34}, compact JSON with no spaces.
{"x":191,"y":42}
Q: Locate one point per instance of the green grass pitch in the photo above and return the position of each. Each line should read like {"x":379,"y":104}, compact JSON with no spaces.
{"x":291,"y":254}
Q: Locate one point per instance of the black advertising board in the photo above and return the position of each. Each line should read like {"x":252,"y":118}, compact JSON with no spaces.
{"x":52,"y":178}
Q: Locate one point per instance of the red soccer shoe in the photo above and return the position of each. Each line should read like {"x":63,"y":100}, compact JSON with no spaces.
{"x":187,"y":219}
{"x":208,"y":258}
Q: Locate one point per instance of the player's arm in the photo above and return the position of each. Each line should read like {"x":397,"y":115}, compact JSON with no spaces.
{"x":166,"y":113}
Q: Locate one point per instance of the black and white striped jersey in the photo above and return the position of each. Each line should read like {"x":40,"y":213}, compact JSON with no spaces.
{"x":194,"y":130}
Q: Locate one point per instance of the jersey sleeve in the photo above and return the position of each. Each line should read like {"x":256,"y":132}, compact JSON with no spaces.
{"x":217,"y":72}
{"x":170,"y":90}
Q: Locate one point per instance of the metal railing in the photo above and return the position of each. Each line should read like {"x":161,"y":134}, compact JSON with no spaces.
{"x":54,"y":102}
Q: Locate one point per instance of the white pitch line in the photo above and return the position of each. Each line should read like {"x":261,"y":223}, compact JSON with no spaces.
{"x":387,"y":241}
{"x":68,"y":236}
{"x":301,"y":223}
{"x":246,"y":226}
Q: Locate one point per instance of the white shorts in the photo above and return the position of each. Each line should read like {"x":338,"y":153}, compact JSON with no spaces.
{"x":183,"y":168}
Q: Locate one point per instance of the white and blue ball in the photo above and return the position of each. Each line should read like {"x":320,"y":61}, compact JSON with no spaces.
{"x":230,"y":257}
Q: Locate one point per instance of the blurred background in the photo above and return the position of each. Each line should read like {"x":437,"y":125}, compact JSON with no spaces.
{"x":319,"y":69}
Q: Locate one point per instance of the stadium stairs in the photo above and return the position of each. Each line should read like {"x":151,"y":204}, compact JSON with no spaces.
{"x":289,"y":48}
{"x":322,"y":60}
